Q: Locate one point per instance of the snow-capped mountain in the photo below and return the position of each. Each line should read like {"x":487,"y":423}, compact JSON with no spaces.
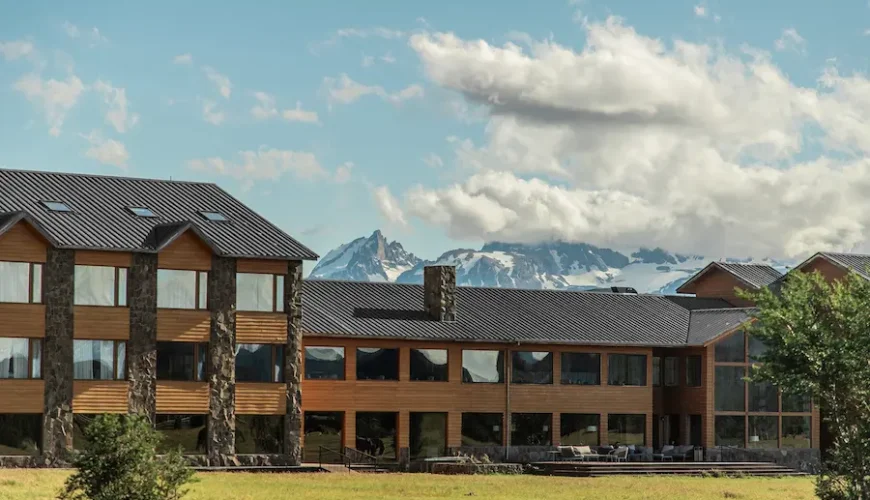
{"x":552,"y":265}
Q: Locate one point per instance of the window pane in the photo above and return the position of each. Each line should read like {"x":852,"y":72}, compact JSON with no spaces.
{"x":581,"y":368}
{"x":429,"y":364}
{"x":121,"y":363}
{"x":531,"y":429}
{"x":36,"y":363}
{"x":626,"y":429}
{"x":254,"y":362}
{"x":122,"y":286}
{"x":14,"y":281}
{"x":20,"y":434}
{"x":94,"y":286}
{"x":796,"y":402}
{"x":176,"y":289}
{"x":203,"y":290}
{"x":483,"y":366}
{"x":278,"y":367}
{"x":201,"y":361}
{"x":13,"y":358}
{"x":730,"y":431}
{"x":763,"y":397}
{"x":729,"y":388}
{"x":696,"y":431}
{"x":185,"y":431}
{"x":254,"y":292}
{"x":693,"y":371}
{"x":279,"y":293}
{"x":36,"y":284}
{"x":626,"y":369}
{"x":323,"y":429}
{"x":657,"y":371}
{"x":175,"y":360}
{"x":531,"y":367}
{"x":763,"y":432}
{"x":756,"y":349}
{"x":324,"y":363}
{"x":376,"y":434}
{"x":428,"y":435}
{"x":578,"y":429}
{"x":377,"y":364}
{"x":92,"y":359}
{"x":259,"y":433}
{"x":482,"y":429}
{"x":672,"y":371}
{"x":731,"y":349}
{"x":796,"y":432}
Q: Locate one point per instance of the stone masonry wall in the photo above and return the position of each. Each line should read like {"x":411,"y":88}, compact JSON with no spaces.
{"x":800,"y":459}
{"x":58,"y":289}
{"x":293,"y":363}
{"x":142,"y":347}
{"x":439,"y":289}
{"x":222,"y":361}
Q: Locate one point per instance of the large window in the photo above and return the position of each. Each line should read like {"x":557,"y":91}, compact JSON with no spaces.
{"x":182,"y":289}
{"x":581,"y":368}
{"x":181,"y":360}
{"x":182,"y":431}
{"x":99,"y":359}
{"x":796,"y":432}
{"x":100,"y":286}
{"x":763,"y":397}
{"x":579,"y":429}
{"x":531,"y":429}
{"x":672,"y":371}
{"x":757,"y":349}
{"x":626,"y":429}
{"x":532,"y":367}
{"x":693,"y":371}
{"x":482,"y":429}
{"x":259,"y":434}
{"x":626,"y":369}
{"x":259,"y":292}
{"x":763,"y":432}
{"x":428,"y":435}
{"x":730,"y":430}
{"x":483,"y":366}
{"x":429,"y":364}
{"x":796,"y":402}
{"x":323,"y":429}
{"x":20,"y":282}
{"x":374,"y":363}
{"x":657,"y":371}
{"x":20,"y":358}
{"x":731,"y":349}
{"x":20,"y":434}
{"x":730,"y":388}
{"x":376,"y":433}
{"x":324,"y":363}
{"x":259,"y":362}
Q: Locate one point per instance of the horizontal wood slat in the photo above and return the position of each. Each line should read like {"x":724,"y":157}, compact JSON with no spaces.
{"x":186,"y":252}
{"x":181,"y":325}
{"x":100,"y":396}
{"x":261,"y":398}
{"x":101,"y":323}
{"x":177,"y":397}
{"x":21,"y":243}
{"x":115,"y":259}
{"x":261,"y":266}
{"x":22,"y":396}
{"x":22,"y":320}
{"x":261,"y":328}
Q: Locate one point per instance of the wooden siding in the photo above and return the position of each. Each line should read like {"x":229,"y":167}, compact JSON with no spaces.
{"x":22,"y":396}
{"x":177,"y":397}
{"x":100,"y":396}
{"x":186,"y":252}
{"x":831,"y":272}
{"x":261,"y":398}
{"x":261,"y":328}
{"x":183,"y":325}
{"x":114,"y":259}
{"x":22,"y":320}
{"x":101,"y":323}
{"x":21,"y":243}
{"x":717,"y":283}
{"x":261,"y":266}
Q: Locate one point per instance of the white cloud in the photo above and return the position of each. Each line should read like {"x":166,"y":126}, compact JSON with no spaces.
{"x":106,"y":151}
{"x":93,"y":36}
{"x":16,"y":49}
{"x":54,"y":97}
{"x":182,"y":59}
{"x":263,"y":165}
{"x":633,"y":141}
{"x":790,"y":40}
{"x":368,"y":61}
{"x":433,"y":160}
{"x":267,"y":108}
{"x":222,"y":82}
{"x":389,"y":206}
{"x":700,"y":11}
{"x":71,"y":30}
{"x":298,"y":114}
{"x":343,"y":172}
{"x":211,"y":114}
{"x":97,"y":37}
{"x":344,"y":90}
{"x":116,"y":98}
{"x":388,"y":58}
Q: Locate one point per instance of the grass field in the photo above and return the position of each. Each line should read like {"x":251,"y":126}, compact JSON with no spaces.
{"x":34,"y":485}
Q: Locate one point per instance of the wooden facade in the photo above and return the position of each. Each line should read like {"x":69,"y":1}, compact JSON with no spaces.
{"x":22,"y":243}
{"x":183,"y":325}
{"x":184,"y":398}
{"x":719,"y":284}
{"x":101,"y":323}
{"x":100,"y":396}
{"x":187,"y":252}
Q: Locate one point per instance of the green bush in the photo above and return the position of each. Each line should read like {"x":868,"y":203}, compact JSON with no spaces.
{"x":120,"y":462}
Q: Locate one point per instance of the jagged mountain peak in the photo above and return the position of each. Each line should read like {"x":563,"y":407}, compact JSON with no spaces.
{"x":372,"y":258}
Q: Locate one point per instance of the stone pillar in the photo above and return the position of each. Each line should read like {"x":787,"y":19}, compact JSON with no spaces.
{"x":222,"y":361}
{"x":57,"y":352}
{"x":439,"y":289}
{"x":142,"y":347}
{"x":293,"y":363}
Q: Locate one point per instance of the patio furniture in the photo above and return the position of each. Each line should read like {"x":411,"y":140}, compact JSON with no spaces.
{"x":620,"y":454}
{"x":685,"y":453}
{"x":579,"y":453}
{"x":665,"y":455}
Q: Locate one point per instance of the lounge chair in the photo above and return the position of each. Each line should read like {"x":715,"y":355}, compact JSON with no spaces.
{"x":620,"y":454}
{"x":586,"y":453}
{"x":685,"y":452}
{"x":666,"y":454}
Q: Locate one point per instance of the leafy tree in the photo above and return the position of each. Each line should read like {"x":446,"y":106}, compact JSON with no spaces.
{"x":818,"y":342}
{"x":120,"y":462}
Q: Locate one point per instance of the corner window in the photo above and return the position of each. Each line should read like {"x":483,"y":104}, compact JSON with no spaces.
{"x":181,"y":360}
{"x":99,"y":359}
{"x":324,"y":363}
{"x":260,"y":363}
{"x":182,"y":289}
{"x":259,"y":292}
{"x":20,"y":282}
{"x":626,"y":369}
{"x":374,"y":363}
{"x":672,"y":371}
{"x":693,"y":371}
{"x":20,"y":358}
{"x":532,"y":367}
{"x":581,"y":368}
{"x":100,"y":286}
{"x":483,"y":367}
{"x":429,"y":365}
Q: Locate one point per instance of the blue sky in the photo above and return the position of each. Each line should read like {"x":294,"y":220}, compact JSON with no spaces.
{"x":336,"y":118}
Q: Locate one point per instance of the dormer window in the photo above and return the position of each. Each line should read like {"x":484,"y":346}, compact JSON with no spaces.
{"x":214,"y":216}
{"x":56,"y":206}
{"x":141,"y":212}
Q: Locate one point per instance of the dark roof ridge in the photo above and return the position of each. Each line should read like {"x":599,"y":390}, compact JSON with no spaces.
{"x":106,"y":176}
{"x":723,"y":309}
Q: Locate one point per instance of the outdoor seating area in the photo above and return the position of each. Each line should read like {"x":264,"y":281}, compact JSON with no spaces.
{"x":621,"y":453}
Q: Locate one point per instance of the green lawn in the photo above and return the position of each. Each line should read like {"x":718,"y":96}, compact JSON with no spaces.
{"x":34,"y":485}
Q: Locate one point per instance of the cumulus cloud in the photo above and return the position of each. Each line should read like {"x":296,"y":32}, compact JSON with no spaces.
{"x":106,"y":151}
{"x":222,"y":82}
{"x":117,"y":114}
{"x":55,"y":98}
{"x":344,"y":90}
{"x":700,"y":11}
{"x":93,"y":36}
{"x":263,"y":164}
{"x":433,"y":160}
{"x":182,"y":59}
{"x":790,"y":40}
{"x":211,"y":114}
{"x":343,"y":172}
{"x":267,"y":108}
{"x":16,"y":49}
{"x":633,"y":141}
{"x":388,"y":206}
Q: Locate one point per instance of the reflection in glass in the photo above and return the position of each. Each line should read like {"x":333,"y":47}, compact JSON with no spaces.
{"x":531,"y":429}
{"x":13,"y":358}
{"x":36,"y":284}
{"x":93,"y":359}
{"x":324,"y":363}
{"x":187,"y":432}
{"x":428,"y":435}
{"x":255,"y":292}
{"x":657,"y":371}
{"x":36,"y":361}
{"x":626,"y":429}
{"x":796,"y":402}
{"x":482,"y":429}
{"x":323,"y":429}
{"x":121,"y":361}
{"x":763,"y":397}
{"x":729,"y":388}
{"x":672,"y":371}
{"x":581,"y":368}
{"x":429,"y":364}
{"x":796,"y":432}
{"x":626,"y":369}
{"x":377,"y":364}
{"x":14,"y":281}
{"x":730,"y":431}
{"x":531,"y":367}
{"x":693,"y":371}
{"x":579,"y":429}
{"x":94,"y":286}
{"x":259,"y":434}
{"x":731,"y":349}
{"x":483,"y":366}
{"x":20,"y":434}
{"x":376,"y":434}
{"x":763,"y":432}
{"x":756,"y":349}
{"x":176,"y":289}
{"x":254,"y":363}
{"x":175,"y":360}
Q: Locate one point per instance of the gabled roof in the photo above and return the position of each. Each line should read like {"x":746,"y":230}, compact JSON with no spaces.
{"x":9,"y":219}
{"x":101,"y":220}
{"x":754,"y":275}
{"x":706,"y":325}
{"x":859,"y":263}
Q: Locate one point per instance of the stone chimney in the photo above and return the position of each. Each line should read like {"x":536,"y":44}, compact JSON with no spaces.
{"x":439,"y":290}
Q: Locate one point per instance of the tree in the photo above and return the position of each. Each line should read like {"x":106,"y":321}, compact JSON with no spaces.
{"x":818,"y":342}
{"x":120,"y":462}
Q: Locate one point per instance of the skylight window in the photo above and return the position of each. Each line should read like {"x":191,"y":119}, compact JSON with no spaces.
{"x":141,"y":212}
{"x":56,"y":206}
{"x":214,"y":216}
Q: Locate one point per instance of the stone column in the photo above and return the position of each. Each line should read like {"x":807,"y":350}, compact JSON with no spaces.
{"x":293,"y":363}
{"x":57,"y":352}
{"x":142,"y":347}
{"x":222,"y":361}
{"x":439,"y":292}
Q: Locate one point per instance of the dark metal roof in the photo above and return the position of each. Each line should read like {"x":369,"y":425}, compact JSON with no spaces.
{"x":754,"y":275}
{"x":707,"y":324}
{"x":100,"y":219}
{"x":502,"y":315}
{"x":691,"y":302}
{"x":856,"y":262}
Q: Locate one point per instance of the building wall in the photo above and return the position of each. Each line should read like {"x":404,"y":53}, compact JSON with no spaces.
{"x":682,"y":401}
{"x":720,"y":284}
